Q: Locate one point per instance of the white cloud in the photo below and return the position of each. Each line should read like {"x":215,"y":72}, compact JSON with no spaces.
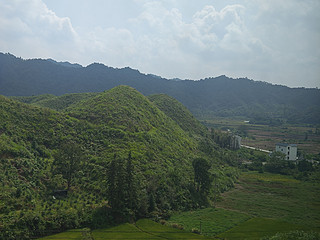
{"x":275,"y":41}
{"x":291,"y":30}
{"x":29,"y":26}
{"x":115,"y":47}
{"x":212,"y":42}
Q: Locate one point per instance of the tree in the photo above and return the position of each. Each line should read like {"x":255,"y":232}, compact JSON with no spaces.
{"x":276,"y":163}
{"x":305,"y":166}
{"x":122,"y":191}
{"x":202,"y":177}
{"x":67,"y":161}
{"x":130,"y":186}
{"x":111,"y":181}
{"x":115,"y":179}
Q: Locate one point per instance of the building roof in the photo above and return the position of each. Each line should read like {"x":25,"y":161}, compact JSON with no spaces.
{"x":286,"y":145}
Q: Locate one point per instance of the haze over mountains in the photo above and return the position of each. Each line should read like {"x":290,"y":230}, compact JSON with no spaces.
{"x":220,"y":96}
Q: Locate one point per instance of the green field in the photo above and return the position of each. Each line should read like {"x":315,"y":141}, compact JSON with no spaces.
{"x":142,"y":229}
{"x":256,"y":228}
{"x":72,"y":234}
{"x":261,"y":204}
{"x":265,"y":136}
{"x":211,"y":221}
{"x":276,"y":196}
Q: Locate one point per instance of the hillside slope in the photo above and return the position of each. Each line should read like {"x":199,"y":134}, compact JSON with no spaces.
{"x":116,"y":132}
{"x":177,"y":112}
{"x":57,"y":103}
{"x":118,"y":120}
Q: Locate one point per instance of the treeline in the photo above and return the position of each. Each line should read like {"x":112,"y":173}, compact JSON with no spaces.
{"x":275,"y":163}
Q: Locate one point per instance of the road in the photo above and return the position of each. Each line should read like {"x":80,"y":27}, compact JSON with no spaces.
{"x":258,"y":149}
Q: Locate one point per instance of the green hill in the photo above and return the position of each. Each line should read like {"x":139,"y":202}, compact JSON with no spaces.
{"x":117,"y":139}
{"x":76,"y":103}
{"x":122,"y":107}
{"x":58,"y":103}
{"x":177,"y":112}
{"x":34,"y":99}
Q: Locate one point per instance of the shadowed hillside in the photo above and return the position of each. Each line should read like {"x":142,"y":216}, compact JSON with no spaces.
{"x":221,"y":96}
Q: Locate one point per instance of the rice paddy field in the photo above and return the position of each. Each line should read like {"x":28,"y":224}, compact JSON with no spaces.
{"x":265,"y":137}
{"x":261,"y":204}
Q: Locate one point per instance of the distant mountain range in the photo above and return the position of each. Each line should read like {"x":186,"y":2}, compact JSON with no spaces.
{"x":211,"y":97}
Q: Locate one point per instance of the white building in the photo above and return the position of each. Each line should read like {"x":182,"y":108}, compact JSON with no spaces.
{"x":290,"y":150}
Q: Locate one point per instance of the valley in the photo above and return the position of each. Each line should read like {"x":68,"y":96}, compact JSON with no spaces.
{"x":306,"y":136}
{"x":105,"y":153}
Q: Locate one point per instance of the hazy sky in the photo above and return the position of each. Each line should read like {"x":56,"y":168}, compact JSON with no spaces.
{"x":276,"y":41}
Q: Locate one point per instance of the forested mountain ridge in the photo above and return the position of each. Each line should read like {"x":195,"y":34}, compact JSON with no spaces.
{"x":58,"y":103}
{"x":134,"y":148}
{"x":177,"y":112}
{"x":220,"y":96}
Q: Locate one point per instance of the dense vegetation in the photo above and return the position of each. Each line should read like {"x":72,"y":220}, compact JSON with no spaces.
{"x":107,"y":158}
{"x":259,"y":102}
{"x":262,"y":206}
{"x":58,"y":103}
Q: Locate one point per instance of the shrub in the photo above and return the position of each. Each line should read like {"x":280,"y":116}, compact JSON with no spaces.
{"x":301,"y":235}
{"x":196,"y":230}
{"x":163,"y":222}
{"x":176,"y":225}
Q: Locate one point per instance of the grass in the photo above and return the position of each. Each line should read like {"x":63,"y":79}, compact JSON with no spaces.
{"x":165,"y":232}
{"x":256,"y":228}
{"x":276,"y":196}
{"x":124,"y":231}
{"x":71,"y":234}
{"x":142,"y":229}
{"x":269,"y":178}
{"x":212,"y":221}
{"x":261,"y":204}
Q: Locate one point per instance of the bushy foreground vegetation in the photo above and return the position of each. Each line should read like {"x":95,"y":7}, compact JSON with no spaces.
{"x":106,"y":159}
{"x":300,"y":235}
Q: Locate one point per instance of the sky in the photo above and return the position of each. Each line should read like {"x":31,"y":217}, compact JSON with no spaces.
{"x":264,"y":40}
